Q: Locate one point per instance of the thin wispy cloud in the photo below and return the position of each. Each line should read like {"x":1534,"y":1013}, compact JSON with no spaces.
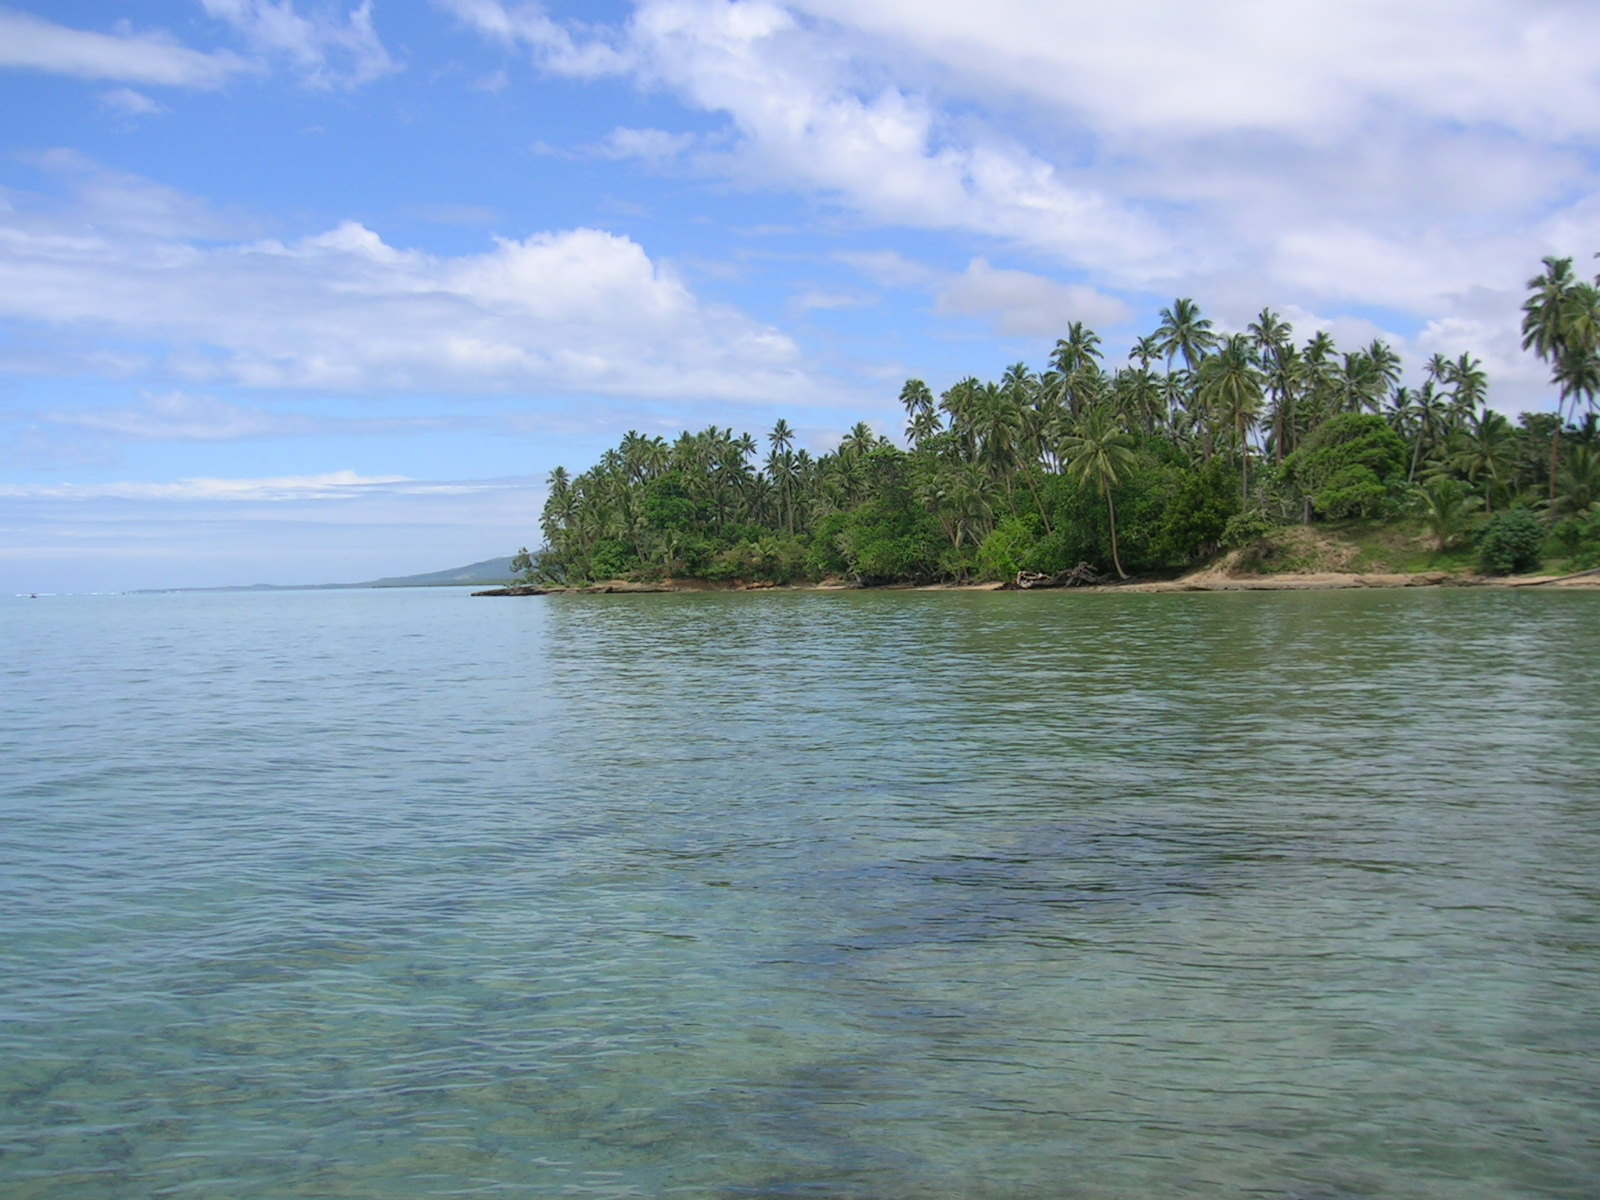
{"x":152,"y":58}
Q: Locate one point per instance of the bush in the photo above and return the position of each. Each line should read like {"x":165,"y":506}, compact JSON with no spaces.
{"x":1346,"y":466}
{"x":1510,"y":542}
{"x":1245,"y":529}
{"x":1008,"y":548}
{"x":1579,"y":539}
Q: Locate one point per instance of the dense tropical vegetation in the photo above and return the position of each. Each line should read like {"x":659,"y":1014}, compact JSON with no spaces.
{"x":1200,"y":441}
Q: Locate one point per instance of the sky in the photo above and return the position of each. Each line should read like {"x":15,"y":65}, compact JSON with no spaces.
{"x":303,"y":291}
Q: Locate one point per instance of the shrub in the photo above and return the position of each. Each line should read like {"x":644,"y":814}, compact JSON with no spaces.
{"x":1005,"y":551}
{"x":1346,"y":465}
{"x":1510,"y":542}
{"x":1579,"y":539}
{"x":1245,"y":529}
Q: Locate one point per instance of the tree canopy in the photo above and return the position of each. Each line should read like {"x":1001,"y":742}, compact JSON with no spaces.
{"x":1142,"y":467}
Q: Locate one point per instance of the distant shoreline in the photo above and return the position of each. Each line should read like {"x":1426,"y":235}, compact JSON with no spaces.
{"x":1198,"y":581}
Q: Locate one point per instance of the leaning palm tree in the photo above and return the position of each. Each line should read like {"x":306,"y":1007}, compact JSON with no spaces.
{"x":1100,"y":454}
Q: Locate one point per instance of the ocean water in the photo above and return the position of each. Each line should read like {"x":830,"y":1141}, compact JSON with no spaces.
{"x":874,"y":895}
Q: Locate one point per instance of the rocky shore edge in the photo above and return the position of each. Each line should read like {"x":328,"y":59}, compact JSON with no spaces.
{"x":1205,"y":580}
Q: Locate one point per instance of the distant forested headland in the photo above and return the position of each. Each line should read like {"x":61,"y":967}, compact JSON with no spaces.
{"x":1199,"y":443}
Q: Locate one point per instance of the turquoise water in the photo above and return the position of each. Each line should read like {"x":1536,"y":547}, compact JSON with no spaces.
{"x":860,"y":895}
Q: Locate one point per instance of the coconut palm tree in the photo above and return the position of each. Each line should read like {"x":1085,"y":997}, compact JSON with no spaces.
{"x":1484,"y":450}
{"x":1230,"y":390}
{"x":1183,"y":331}
{"x":1428,"y":409}
{"x":1447,"y":507}
{"x":921,"y":419}
{"x":1099,"y":454}
{"x":1559,"y":325}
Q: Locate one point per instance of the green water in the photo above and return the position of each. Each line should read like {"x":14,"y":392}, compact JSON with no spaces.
{"x":860,"y":895}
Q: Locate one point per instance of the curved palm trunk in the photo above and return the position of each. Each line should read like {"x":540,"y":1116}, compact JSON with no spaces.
{"x":1111,"y":509}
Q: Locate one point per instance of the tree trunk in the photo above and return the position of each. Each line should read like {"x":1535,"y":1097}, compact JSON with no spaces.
{"x":1115,"y":561}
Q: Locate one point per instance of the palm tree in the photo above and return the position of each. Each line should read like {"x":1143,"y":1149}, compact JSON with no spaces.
{"x":921,"y":419}
{"x":1286,"y":373}
{"x":1230,"y":388}
{"x":1183,"y":331}
{"x":1100,"y":454}
{"x":1145,"y":351}
{"x":960,"y":404}
{"x":1558,"y":324}
{"x":1447,"y":507}
{"x":1580,"y":482}
{"x":1468,"y":382}
{"x":1428,"y":408}
{"x":780,"y":470}
{"x":1484,"y":450}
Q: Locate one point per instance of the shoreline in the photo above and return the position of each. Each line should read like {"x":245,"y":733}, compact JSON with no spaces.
{"x":1206,"y":580}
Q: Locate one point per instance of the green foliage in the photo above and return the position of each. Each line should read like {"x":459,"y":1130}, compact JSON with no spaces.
{"x":883,"y":541}
{"x":1510,"y":543}
{"x":1245,"y":529}
{"x":824,"y":558}
{"x":1198,"y":511}
{"x":1447,"y":506}
{"x":1579,"y":539}
{"x":1345,"y":466}
{"x":1205,"y":441}
{"x":1008,"y":548}
{"x":669,"y":505}
{"x":777,"y":558}
{"x":611,"y":558}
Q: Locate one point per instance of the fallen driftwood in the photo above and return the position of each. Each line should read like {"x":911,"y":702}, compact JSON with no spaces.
{"x":1556,"y":579}
{"x":1082,"y":575}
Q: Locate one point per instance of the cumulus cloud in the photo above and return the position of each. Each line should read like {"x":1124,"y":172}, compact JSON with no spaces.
{"x":580,"y":310}
{"x":799,"y":121}
{"x":1403,"y":155}
{"x":146,"y":58}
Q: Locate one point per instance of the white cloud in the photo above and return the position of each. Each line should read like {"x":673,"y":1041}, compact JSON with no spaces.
{"x":648,"y":145}
{"x":334,"y":485}
{"x":579,"y":310}
{"x":1021,"y":304}
{"x":179,"y":417}
{"x":130,"y":103}
{"x":1319,"y":70}
{"x":326,"y":49}
{"x":1413,"y":156}
{"x":801,"y":122}
{"x":146,"y":58}
{"x":889,"y":268}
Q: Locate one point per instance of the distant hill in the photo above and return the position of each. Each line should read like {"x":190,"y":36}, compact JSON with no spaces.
{"x":491,"y":572}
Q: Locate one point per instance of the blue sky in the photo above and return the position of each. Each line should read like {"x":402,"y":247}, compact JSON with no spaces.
{"x":305,"y":290}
